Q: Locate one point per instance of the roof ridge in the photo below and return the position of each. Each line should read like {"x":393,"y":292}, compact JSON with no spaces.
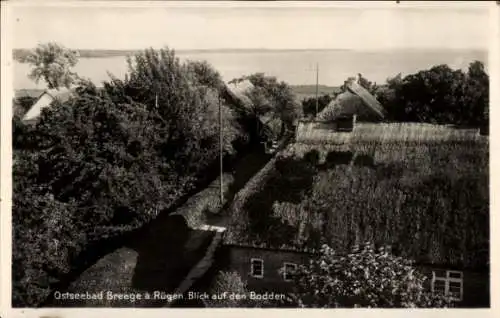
{"x":367,"y":98}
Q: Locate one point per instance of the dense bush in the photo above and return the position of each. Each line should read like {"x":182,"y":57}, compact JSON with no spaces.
{"x":362,"y":278}
{"x":224,"y":285}
{"x":309,"y":104}
{"x":439,"y":95}
{"x":281,"y":101}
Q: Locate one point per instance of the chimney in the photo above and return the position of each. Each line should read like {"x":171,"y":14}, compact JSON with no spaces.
{"x":358,"y":78}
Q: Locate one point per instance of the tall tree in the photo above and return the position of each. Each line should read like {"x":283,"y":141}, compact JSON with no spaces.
{"x":52,"y":62}
{"x":309,"y":104}
{"x":280,"y":96}
{"x":439,"y":95}
{"x":476,"y":95}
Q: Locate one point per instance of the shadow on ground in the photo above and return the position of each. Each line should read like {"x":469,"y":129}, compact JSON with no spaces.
{"x":166,"y":253}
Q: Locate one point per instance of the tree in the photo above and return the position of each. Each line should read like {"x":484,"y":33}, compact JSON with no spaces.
{"x":363,"y":278}
{"x":475,"y":101}
{"x":439,"y":95}
{"x":280,"y":96}
{"x":184,"y":100}
{"x":204,"y":74}
{"x":259,"y":108}
{"x":52,"y":63}
{"x":309,"y":104}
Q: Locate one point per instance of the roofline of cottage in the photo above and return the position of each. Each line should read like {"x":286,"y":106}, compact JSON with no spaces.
{"x":446,"y":266}
{"x":289,"y":249}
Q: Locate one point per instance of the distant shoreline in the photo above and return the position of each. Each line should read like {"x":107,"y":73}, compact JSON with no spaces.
{"x":102,"y":53}
{"x":301,"y":91}
{"x":96,"y":53}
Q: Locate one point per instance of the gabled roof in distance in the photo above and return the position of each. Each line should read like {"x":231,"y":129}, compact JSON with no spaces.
{"x":62,"y":94}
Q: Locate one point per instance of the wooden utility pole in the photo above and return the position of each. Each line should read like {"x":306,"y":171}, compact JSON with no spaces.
{"x":317,"y":79}
{"x":220,"y":154}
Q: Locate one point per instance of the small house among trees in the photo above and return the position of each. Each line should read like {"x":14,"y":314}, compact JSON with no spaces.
{"x":62,"y":95}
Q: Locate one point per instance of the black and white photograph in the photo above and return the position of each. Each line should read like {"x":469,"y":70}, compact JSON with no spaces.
{"x":250,"y":154}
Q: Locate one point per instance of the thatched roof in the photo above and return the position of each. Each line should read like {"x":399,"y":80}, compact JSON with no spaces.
{"x":345,"y":104}
{"x":369,"y":100}
{"x":354,"y":101}
{"x":313,"y":132}
{"x":426,"y":157}
{"x":320,"y":132}
{"x":413,"y":132}
{"x":237,"y":92}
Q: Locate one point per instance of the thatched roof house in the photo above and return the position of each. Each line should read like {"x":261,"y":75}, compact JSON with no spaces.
{"x":404,"y":197}
{"x":356,"y":100}
{"x":334,"y":124}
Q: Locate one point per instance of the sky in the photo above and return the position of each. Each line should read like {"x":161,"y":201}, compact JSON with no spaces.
{"x":219,"y":26}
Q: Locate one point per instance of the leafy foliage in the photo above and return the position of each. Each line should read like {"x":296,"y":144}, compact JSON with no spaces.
{"x":109,"y":160}
{"x":309,"y":104}
{"x":52,"y":63}
{"x":439,"y":95}
{"x":280,"y":97}
{"x":363,"y":278}
{"x":226,"y":283}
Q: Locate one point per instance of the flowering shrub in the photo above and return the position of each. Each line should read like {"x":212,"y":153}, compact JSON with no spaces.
{"x":363,"y":278}
{"x":229,"y":283}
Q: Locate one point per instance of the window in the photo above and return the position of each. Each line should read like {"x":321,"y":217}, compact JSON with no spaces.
{"x":448,"y":283}
{"x":257,"y":267}
{"x":288,"y":271}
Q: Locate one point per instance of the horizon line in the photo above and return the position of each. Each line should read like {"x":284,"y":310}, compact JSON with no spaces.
{"x":273,"y":49}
